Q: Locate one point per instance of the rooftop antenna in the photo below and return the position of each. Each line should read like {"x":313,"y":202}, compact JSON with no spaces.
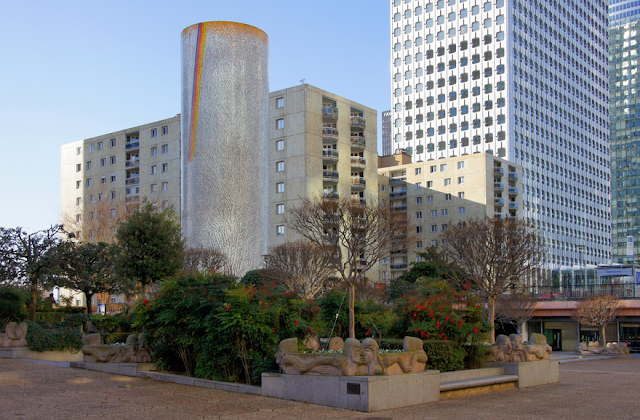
{"x":302,"y":81}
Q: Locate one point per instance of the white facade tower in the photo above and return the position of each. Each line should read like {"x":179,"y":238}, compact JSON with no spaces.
{"x":526,"y":80}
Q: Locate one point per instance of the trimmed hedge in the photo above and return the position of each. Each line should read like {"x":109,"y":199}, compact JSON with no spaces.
{"x":67,"y":335}
{"x":445,"y":356}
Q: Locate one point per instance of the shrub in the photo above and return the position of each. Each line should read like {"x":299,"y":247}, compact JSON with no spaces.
{"x":57,"y":315}
{"x":445,"y":356}
{"x":67,"y":335}
{"x":12,"y":306}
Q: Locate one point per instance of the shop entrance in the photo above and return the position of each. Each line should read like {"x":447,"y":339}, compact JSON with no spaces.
{"x":554,"y":338}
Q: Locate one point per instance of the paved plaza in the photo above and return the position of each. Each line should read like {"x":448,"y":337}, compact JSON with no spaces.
{"x":28,"y":390}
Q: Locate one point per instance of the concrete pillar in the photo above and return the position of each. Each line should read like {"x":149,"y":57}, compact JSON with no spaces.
{"x":225,"y":94}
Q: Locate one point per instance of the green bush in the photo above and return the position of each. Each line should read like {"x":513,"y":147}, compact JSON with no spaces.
{"x":445,"y":356}
{"x":12,"y":306}
{"x":67,"y":335}
{"x":57,"y":315}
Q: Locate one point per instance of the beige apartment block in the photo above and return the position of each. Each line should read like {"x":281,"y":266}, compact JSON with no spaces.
{"x":102,"y":175}
{"x":320,"y":146}
{"x":427,"y":197}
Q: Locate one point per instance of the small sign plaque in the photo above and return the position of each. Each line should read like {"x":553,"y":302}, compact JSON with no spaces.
{"x":353,"y":389}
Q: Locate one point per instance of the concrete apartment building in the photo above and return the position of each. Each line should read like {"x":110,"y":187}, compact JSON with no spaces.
{"x":320,"y":145}
{"x":526,"y":81}
{"x":427,"y":197}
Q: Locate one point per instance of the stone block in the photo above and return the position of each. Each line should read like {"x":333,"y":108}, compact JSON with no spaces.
{"x":361,"y":393}
{"x":532,"y":373}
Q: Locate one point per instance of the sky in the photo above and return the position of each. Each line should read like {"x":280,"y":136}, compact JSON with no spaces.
{"x":71,"y":70}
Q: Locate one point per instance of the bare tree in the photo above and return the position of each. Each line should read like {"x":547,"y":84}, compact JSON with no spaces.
{"x":353,"y":236}
{"x":205,"y":260}
{"x":516,"y":308}
{"x":300,"y":266}
{"x":598,"y":311}
{"x":493,"y":255}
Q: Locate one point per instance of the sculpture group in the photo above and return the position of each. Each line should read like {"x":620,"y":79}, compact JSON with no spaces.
{"x":611,"y":348}
{"x":513,"y":349}
{"x":356,"y":359}
{"x":135,"y":350}
{"x":15,"y":335}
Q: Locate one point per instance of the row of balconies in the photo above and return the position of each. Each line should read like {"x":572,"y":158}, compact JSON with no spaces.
{"x":331,"y":112}
{"x":333,"y":176}
{"x":330,"y":135}
{"x":333,"y":195}
{"x":332,"y":156}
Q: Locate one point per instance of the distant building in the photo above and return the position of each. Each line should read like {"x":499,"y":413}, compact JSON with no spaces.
{"x":386,"y":133}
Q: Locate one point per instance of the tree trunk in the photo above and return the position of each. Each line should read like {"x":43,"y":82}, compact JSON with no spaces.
{"x":603,"y":338}
{"x":34,"y":300}
{"x":492,"y":316}
{"x":88,"y":298}
{"x":352,"y":305}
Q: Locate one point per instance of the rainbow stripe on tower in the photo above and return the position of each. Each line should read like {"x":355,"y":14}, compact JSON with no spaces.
{"x":195,"y":96}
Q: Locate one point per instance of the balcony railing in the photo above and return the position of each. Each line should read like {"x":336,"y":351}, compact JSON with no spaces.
{"x":498,"y":171}
{"x":330,"y":195}
{"x":330,"y":174}
{"x":358,"y":161}
{"x":498,"y":202}
{"x":397,"y":209}
{"x":358,"y":121}
{"x":513,"y":176}
{"x":498,"y":186}
{"x":134,"y":163}
{"x":398,"y":194}
{"x":358,"y":182}
{"x":400,"y":266}
{"x":359,"y":200}
{"x":330,"y":111}
{"x":330,"y":154}
{"x":132,"y":145}
{"x":626,"y":290}
{"x":330,"y":134}
{"x":132,"y":199}
{"x":132,"y":181}
{"x":513,"y":206}
{"x":513,"y":191}
{"x":358,"y":142}
{"x":399,"y":251}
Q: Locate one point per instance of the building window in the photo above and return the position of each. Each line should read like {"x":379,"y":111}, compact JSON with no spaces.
{"x":419,"y":244}
{"x":418,"y":171}
{"x":418,"y":229}
{"x":112,"y":142}
{"x":418,"y":200}
{"x":165,"y":186}
{"x":113,"y":160}
{"x":280,"y":230}
{"x":280,"y":166}
{"x":78,"y":201}
{"x":280,"y":103}
{"x":280,"y":187}
{"x":165,"y":149}
{"x":113,"y":178}
{"x":447,"y":181}
{"x":100,"y":145}
{"x":103,"y":180}
{"x":78,"y":184}
{"x":433,"y":168}
{"x":443,"y":227}
{"x":89,"y":182}
{"x":280,"y":209}
{"x":280,"y":124}
{"x":154,"y":132}
{"x":429,"y":199}
{"x":383,"y":188}
{"x":443,"y":167}
{"x":434,"y":213}
{"x":103,"y":162}
{"x":418,"y":215}
{"x":460,"y":165}
{"x":154,"y":151}
{"x":112,"y":195}
{"x":429,"y":184}
{"x":279,"y":145}
{"x":447,"y":197}
{"x":112,"y":212}
{"x":165,"y":167}
{"x":460,"y":210}
{"x":154,"y":188}
{"x":154,"y":169}
{"x":434,"y":228}
{"x":78,"y":218}
{"x":78,"y":167}
{"x":165,"y":130}
{"x":444,"y":212}
{"x":418,"y":185}
{"x":79,"y":150}
{"x":92,"y":148}
{"x":460,"y":195}
{"x":460,"y":180}
{"x":88,"y":166}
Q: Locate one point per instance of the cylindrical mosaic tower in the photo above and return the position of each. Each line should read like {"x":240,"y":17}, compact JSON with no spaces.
{"x":225,"y":94}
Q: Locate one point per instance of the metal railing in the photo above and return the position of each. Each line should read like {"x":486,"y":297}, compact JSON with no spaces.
{"x":330,"y":154}
{"x":330,"y":132}
{"x":358,"y":161}
{"x":132,"y":145}
{"x":330,"y":111}
{"x":358,"y":141}
{"x":330,"y":173}
{"x":132,"y":181}
{"x":398,"y":194}
{"x":358,"y":200}
{"x":396,"y":209}
{"x":358,"y":121}
{"x":358,"y":181}
{"x":400,"y":266}
{"x":134,"y":163}
{"x":626,"y":290}
{"x":330,"y":195}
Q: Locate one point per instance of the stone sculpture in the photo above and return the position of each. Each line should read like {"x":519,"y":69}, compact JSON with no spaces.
{"x":357,"y":359}
{"x":135,"y":350}
{"x":15,"y":335}
{"x":336,"y":344}
{"x":512,"y":349}
{"x":611,"y":348}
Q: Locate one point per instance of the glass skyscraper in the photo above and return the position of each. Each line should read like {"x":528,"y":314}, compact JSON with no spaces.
{"x":526,"y":80}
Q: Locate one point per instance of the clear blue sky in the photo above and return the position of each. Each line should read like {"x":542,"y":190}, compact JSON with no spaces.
{"x":70,"y":70}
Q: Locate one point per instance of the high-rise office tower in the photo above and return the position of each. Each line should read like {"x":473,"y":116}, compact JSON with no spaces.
{"x":526,"y":80}
{"x":386,"y":133}
{"x":624,"y":34}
